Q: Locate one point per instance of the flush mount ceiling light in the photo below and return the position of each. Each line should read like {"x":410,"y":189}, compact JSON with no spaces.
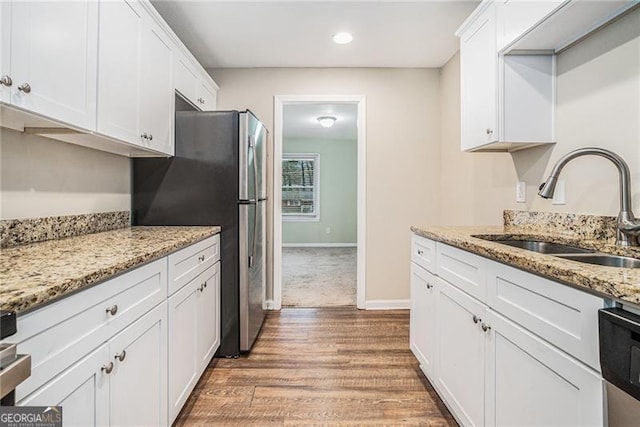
{"x":342,"y":38}
{"x":326,"y":121}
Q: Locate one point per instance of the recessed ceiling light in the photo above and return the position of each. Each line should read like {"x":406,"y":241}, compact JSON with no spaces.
{"x":342,"y":38}
{"x":326,"y":121}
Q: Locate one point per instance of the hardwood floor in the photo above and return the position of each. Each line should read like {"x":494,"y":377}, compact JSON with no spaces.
{"x":325,"y":366}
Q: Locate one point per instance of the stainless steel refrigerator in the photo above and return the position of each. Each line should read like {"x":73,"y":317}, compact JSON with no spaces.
{"x":217,"y":177}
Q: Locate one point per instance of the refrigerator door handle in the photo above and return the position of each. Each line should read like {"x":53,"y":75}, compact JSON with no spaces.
{"x":255,"y":188}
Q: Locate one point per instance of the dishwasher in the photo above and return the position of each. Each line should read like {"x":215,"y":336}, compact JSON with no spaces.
{"x":620,"y":362}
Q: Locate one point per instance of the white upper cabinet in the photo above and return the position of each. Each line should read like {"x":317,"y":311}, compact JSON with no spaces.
{"x":507,"y":102}
{"x":479,"y":75}
{"x":53,"y":60}
{"x":5,"y":50}
{"x":156,"y":90}
{"x":121,"y":27}
{"x":206,"y":96}
{"x":136,"y":86}
{"x":516,"y":17}
{"x":194,"y":85}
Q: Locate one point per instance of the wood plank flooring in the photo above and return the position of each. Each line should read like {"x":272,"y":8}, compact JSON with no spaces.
{"x":320,"y":366}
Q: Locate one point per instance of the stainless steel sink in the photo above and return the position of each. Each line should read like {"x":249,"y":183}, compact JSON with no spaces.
{"x":539,"y":246}
{"x":605,"y":260}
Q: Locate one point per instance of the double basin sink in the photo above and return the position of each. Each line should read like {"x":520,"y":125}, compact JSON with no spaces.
{"x":568,"y":252}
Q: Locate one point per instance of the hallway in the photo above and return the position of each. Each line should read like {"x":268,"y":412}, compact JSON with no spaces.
{"x":331,"y":366}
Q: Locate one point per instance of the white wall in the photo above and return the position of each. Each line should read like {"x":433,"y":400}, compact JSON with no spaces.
{"x":41,"y":177}
{"x":403,"y":144}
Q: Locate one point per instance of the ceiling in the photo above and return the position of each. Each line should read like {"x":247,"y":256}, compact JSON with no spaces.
{"x":301,"y":121}
{"x":297,"y":33}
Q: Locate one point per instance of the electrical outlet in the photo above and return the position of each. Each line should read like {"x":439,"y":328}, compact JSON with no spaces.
{"x":521,"y":192}
{"x":328,"y":230}
{"x":559,"y":194}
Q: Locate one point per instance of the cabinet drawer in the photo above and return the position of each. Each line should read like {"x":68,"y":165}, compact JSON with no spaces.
{"x":565,"y":317}
{"x":423,"y":252}
{"x":61,"y":333}
{"x":462,"y":269}
{"x":187,"y":263}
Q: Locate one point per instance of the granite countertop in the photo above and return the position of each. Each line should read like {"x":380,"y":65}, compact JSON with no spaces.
{"x":37,"y":273}
{"x":620,"y":283}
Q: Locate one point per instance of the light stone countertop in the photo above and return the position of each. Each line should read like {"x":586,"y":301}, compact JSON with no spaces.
{"x":619,"y":283}
{"x":37,"y":273}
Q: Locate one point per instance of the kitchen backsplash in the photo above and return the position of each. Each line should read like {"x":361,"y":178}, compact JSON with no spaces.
{"x":23,"y":231}
{"x":570,"y":225}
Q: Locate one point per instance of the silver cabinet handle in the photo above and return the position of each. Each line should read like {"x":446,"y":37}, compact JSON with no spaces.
{"x":144,"y":136}
{"x":489,"y":131}
{"x":6,"y":81}
{"x":120,"y":356}
{"x":476,"y":319}
{"x":429,"y":286}
{"x":420,"y":252}
{"x":201,"y":288}
{"x":485,"y":327}
{"x":112,"y":310}
{"x":201,"y":258}
{"x":25,"y":87}
{"x":204,"y":284}
{"x":150,"y":137}
{"x":107,"y":368}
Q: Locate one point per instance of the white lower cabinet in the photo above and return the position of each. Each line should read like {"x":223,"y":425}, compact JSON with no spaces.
{"x":502,"y":360}
{"x":529,"y":382}
{"x":193,"y":334}
{"x":138,"y":381}
{"x":461,"y":354}
{"x":82,"y":390}
{"x":122,"y":383}
{"x":423,"y":317}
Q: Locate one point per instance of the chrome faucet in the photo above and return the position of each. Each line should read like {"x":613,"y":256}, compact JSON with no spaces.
{"x":628,"y":227}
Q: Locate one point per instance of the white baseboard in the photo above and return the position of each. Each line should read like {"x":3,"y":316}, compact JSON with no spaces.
{"x":319,"y":245}
{"x":387,"y":304}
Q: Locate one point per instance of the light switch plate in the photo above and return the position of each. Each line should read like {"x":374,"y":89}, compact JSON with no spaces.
{"x":521,"y":192}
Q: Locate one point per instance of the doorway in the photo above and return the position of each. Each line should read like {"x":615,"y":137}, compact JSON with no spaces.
{"x":309,"y":247}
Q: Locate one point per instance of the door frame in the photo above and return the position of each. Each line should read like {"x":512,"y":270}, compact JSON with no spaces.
{"x":279,"y":102}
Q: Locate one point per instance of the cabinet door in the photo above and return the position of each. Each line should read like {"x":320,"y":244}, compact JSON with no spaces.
{"x":531,"y":383}
{"x":185,"y":79}
{"x":461,"y":354}
{"x":82,"y":390}
{"x":206,"y":97}
{"x":423,"y":318}
{"x":478,"y":79}
{"x":208,"y":327}
{"x":138,"y":386}
{"x":121,"y":26}
{"x":54,"y":50}
{"x":183,"y":363}
{"x":5,"y":51}
{"x":156,"y":90}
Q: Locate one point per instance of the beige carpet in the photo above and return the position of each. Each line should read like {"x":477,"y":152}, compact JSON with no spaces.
{"x":318,"y":277}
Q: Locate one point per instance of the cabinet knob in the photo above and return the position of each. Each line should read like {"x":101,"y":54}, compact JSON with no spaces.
{"x":476,"y":319}
{"x":6,"y":81}
{"x":201,"y":288}
{"x":201,"y":258}
{"x":107,"y":368}
{"x":25,"y":87}
{"x":150,"y":137}
{"x":420,"y":252}
{"x":120,"y":356}
{"x":489,"y":131}
{"x":204,"y":284}
{"x":112,"y":310}
{"x":429,"y":286}
{"x":485,"y":327}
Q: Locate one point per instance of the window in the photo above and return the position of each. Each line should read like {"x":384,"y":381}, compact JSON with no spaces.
{"x":300,"y":187}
